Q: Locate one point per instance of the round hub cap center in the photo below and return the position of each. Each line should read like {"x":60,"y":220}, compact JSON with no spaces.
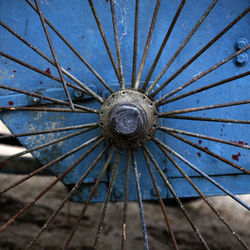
{"x":128,"y":120}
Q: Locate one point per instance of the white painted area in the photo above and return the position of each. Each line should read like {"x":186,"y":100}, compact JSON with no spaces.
{"x":6,"y":150}
{"x":3,"y":128}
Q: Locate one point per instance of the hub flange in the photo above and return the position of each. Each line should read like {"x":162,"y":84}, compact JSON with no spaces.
{"x":128,"y":118}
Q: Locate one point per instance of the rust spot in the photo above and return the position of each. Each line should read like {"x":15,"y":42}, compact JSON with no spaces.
{"x":199,"y":154}
{"x":48,"y":71}
{"x":14,"y":71}
{"x":236,"y":157}
{"x":69,"y":68}
{"x":206,"y":148}
{"x":41,"y":82}
{"x":242,"y":143}
{"x":200,"y":141}
{"x":10,"y":103}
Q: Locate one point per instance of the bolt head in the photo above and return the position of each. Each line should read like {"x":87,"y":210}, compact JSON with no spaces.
{"x":35,"y":100}
{"x":128,"y":120}
{"x":77,"y":93}
{"x":242,"y":59}
{"x":241,"y":43}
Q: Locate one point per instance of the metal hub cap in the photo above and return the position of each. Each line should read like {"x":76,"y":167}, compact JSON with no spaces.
{"x":128,"y":118}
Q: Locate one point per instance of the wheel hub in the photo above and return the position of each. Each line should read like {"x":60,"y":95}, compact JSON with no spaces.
{"x":128,"y":118}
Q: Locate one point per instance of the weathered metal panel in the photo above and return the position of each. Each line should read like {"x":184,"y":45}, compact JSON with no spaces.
{"x":79,"y":27}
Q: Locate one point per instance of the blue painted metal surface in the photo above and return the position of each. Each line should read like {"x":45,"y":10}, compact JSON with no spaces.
{"x":75,"y":21}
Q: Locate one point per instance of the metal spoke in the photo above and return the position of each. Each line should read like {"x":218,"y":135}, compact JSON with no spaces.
{"x":171,"y":27}
{"x":149,"y":38}
{"x":207,"y":151}
{"x":46,"y":109}
{"x":214,"y":139}
{"x":33,"y":94}
{"x":207,"y":87}
{"x":49,"y":59}
{"x":49,"y":164}
{"x":74,"y":50}
{"x":223,"y":220}
{"x":163,"y":207}
{"x":169,"y":186}
{"x":202,"y":74}
{"x":39,"y":132}
{"x":52,"y":184}
{"x":54,"y":54}
{"x":86,"y":204}
{"x":105,"y":205}
{"x":139,"y":197}
{"x":208,"y":119}
{"x":125,"y":208}
{"x":44,"y":145}
{"x":202,"y":173}
{"x":215,"y":106}
{"x":66,"y":199}
{"x":189,"y":36}
{"x":104,"y":39}
{"x":135,"y":43}
{"x":97,"y":97}
{"x":201,"y":51}
{"x":117,"y":44}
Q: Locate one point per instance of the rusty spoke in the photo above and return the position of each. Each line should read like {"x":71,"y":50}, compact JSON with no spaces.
{"x":163,"y":207}
{"x":92,"y":193}
{"x":219,"y":83}
{"x":207,"y":119}
{"x":49,"y":164}
{"x":46,"y":32}
{"x":69,"y":195}
{"x":201,"y":51}
{"x":52,"y":184}
{"x":166,"y":181}
{"x":189,"y":36}
{"x":45,"y":145}
{"x":47,"y":109}
{"x":200,"y":75}
{"x":107,"y":200}
{"x":104,"y":38}
{"x":202,"y":173}
{"x":207,"y":151}
{"x":139,"y":197}
{"x":117,"y":45}
{"x":125,"y":207}
{"x":41,"y":97}
{"x":65,"y":72}
{"x":210,"y":138}
{"x":82,"y":87}
{"x":149,"y":38}
{"x":135,"y":43}
{"x":171,"y":27}
{"x":215,"y":106}
{"x":46,"y":131}
{"x":204,"y":197}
